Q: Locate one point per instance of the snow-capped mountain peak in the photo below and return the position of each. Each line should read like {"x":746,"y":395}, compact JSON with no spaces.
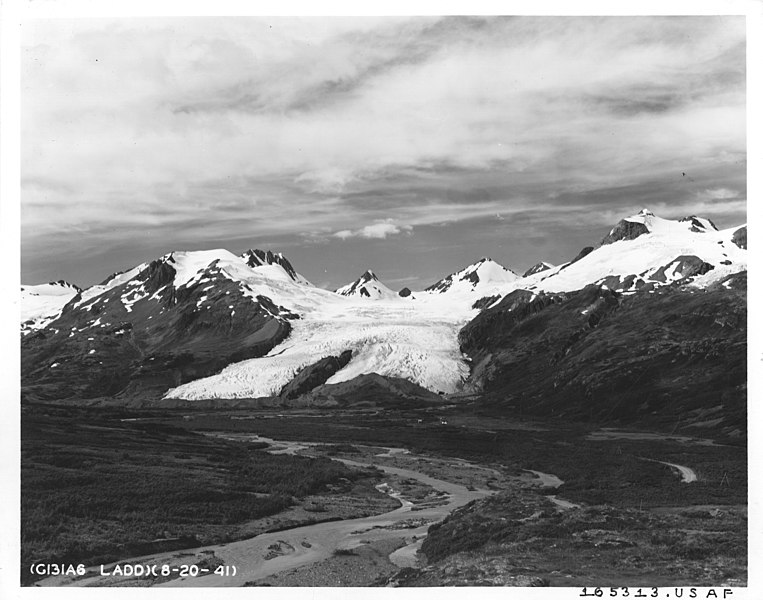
{"x":647,"y":250}
{"x":41,"y":304}
{"x":367,"y":286}
{"x":54,"y":288}
{"x":478,"y":277}
{"x":184,"y":268}
{"x":646,"y":222}
{"x":264,"y":258}
{"x":188,"y":265}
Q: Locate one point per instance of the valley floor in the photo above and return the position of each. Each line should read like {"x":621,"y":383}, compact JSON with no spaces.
{"x":456,"y":498}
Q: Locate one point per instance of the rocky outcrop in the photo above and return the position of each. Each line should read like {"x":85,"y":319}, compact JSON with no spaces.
{"x":492,"y":328}
{"x":441,"y":286}
{"x":257,"y":258}
{"x":314,"y":375}
{"x":625,"y":230}
{"x":620,"y":282}
{"x":537,"y":268}
{"x":681,"y":268}
{"x":679,"y":271}
{"x":698,"y":225}
{"x":112,"y":276}
{"x":582,"y":254}
{"x":65,"y":284}
{"x":740,"y":237}
{"x":158,"y":274}
{"x":368,"y":390}
{"x":735,"y":281}
{"x":404,"y":293}
{"x":485,"y":301}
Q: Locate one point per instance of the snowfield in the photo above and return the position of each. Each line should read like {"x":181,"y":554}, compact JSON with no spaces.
{"x":414,"y":340}
{"x":41,"y":304}
{"x":115,"y":281}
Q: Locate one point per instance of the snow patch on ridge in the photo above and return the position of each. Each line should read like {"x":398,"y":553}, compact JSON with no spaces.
{"x":115,"y":281}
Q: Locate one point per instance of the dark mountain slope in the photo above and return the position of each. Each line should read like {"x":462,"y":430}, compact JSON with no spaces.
{"x":369,"y":390}
{"x":145,"y":335}
{"x":675,"y":355}
{"x":314,"y":375}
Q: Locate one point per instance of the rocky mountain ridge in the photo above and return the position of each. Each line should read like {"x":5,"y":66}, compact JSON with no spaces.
{"x":213,"y":325}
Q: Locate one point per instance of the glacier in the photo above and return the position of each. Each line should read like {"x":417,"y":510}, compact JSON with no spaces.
{"x":417,"y":341}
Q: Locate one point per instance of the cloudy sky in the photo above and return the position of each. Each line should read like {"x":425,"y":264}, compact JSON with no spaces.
{"x":411,"y":146}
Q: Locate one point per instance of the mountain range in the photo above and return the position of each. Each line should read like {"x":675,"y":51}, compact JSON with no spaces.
{"x":649,"y":321}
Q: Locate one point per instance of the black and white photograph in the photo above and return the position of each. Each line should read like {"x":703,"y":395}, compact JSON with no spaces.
{"x":314,"y":301}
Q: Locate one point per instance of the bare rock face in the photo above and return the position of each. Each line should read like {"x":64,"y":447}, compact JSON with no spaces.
{"x":158,"y":274}
{"x":582,"y":254}
{"x":735,"y":281}
{"x":625,"y":230}
{"x":485,"y":301}
{"x":256,"y":258}
{"x":538,"y":268}
{"x":740,"y":237}
{"x":314,"y":375}
{"x":65,"y":284}
{"x":686,"y":266}
{"x":404,"y":293}
{"x":699,"y":225}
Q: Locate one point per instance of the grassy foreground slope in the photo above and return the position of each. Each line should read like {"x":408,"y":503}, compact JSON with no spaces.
{"x":96,"y":489}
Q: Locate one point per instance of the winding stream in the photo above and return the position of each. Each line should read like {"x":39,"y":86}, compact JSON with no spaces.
{"x":317,"y":542}
{"x":254,"y":558}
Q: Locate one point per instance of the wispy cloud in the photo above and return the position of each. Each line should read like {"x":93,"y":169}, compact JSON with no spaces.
{"x":721,"y":194}
{"x":215,"y":128}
